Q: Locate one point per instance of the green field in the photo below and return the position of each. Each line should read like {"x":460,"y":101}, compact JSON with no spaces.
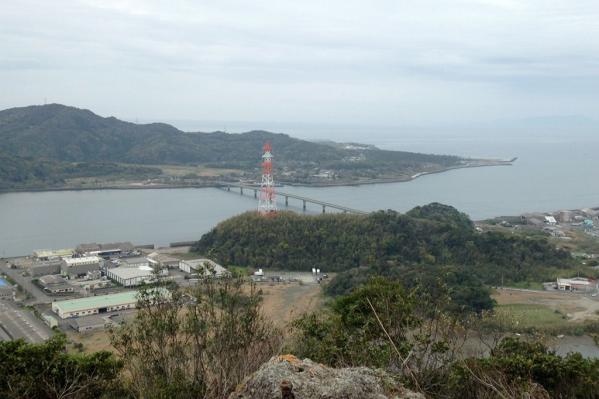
{"x":527,"y":316}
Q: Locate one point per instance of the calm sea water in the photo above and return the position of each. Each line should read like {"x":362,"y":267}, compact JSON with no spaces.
{"x":554,"y":171}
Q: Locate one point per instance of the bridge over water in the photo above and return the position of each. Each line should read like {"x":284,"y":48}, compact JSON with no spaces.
{"x":305,"y":200}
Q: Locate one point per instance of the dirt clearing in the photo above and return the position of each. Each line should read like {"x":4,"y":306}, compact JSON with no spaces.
{"x":575,"y":306}
{"x":285,"y":302}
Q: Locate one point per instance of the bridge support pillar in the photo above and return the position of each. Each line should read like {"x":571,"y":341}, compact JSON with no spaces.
{"x":286,"y":201}
{"x":255,"y":193}
{"x":304,"y":201}
{"x":323,"y":209}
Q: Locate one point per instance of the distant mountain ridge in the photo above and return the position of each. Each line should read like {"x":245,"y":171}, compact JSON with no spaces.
{"x":54,"y":143}
{"x":70,"y":134}
{"x":65,"y":133}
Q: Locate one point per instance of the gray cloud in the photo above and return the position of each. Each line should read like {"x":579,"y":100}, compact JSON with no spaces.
{"x":390,"y":62}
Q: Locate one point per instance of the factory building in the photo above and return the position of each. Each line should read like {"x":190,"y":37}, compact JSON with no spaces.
{"x":79,"y":267}
{"x":134,"y":262}
{"x":203,"y":267}
{"x":565,"y":216}
{"x":163,"y":260}
{"x":105,"y":250}
{"x":49,"y":319}
{"x":102,"y":304}
{"x":589,"y":212}
{"x":86,"y":324}
{"x":45,"y":267}
{"x":7,"y":291}
{"x":55,"y":284}
{"x":95,"y":304}
{"x":47,"y":254}
{"x":131,"y":276}
{"x":550,"y":220}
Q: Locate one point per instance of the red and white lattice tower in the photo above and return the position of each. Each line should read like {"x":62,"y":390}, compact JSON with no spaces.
{"x":267,"y":204}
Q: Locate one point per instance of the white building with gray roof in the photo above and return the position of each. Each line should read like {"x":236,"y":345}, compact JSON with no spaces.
{"x":76,"y":267}
{"x":203,"y":267}
{"x":131,"y":276}
{"x":137,"y":261}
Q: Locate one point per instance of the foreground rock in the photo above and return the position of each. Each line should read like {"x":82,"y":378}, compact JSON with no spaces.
{"x":287,"y":377}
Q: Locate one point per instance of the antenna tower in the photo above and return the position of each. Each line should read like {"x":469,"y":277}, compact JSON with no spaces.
{"x":267,"y":204}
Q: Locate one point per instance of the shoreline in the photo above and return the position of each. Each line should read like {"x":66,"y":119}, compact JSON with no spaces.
{"x":138,"y":186}
{"x":406,"y":178}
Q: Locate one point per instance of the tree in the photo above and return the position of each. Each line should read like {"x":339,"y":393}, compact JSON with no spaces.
{"x":383,"y":325}
{"x":433,"y":235}
{"x":46,"y":371}
{"x":195,"y":344}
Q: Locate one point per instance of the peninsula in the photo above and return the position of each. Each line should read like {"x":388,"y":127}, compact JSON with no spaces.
{"x":54,"y":147}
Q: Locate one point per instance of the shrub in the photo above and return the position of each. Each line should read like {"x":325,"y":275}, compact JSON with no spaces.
{"x":197,"y":344}
{"x":524,"y":365}
{"x":46,"y":371}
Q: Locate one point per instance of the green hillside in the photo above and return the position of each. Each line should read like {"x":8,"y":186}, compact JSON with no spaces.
{"x":69,"y":134}
{"x":60,"y":133}
{"x":434,"y":241}
{"x":29,"y":172}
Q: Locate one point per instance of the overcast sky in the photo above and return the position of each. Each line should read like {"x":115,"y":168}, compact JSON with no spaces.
{"x":395,"y":62}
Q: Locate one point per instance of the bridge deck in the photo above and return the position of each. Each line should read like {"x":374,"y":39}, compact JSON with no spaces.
{"x":318,"y":202}
{"x":298,"y":197}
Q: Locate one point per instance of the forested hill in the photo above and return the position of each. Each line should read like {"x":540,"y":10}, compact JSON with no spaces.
{"x":431,"y":236}
{"x":62,"y":133}
{"x":33,"y":173}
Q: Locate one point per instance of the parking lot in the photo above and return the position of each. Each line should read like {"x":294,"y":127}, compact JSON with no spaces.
{"x":38,"y":296}
{"x":18,"y":323}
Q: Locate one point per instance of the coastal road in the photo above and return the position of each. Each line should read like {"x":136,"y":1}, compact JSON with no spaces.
{"x":25,"y":283}
{"x":16,"y":323}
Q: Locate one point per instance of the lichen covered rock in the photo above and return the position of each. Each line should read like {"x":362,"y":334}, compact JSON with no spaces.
{"x":287,"y":377}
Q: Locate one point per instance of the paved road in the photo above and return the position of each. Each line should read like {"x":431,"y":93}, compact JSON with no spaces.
{"x":25,"y":283}
{"x":16,"y":323}
{"x":4,"y":335}
{"x":550,"y":290}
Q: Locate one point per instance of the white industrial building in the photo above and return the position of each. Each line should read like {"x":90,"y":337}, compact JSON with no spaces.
{"x":134,"y":262}
{"x":101,"y":304}
{"x":55,"y":284}
{"x":48,"y":254}
{"x":550,"y":220}
{"x":84,"y":324}
{"x":131,"y":276}
{"x":75,"y":267}
{"x":105,"y":250}
{"x":203,"y":267}
{"x":95,"y":304}
{"x":163,"y":260}
{"x":576,"y":284}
